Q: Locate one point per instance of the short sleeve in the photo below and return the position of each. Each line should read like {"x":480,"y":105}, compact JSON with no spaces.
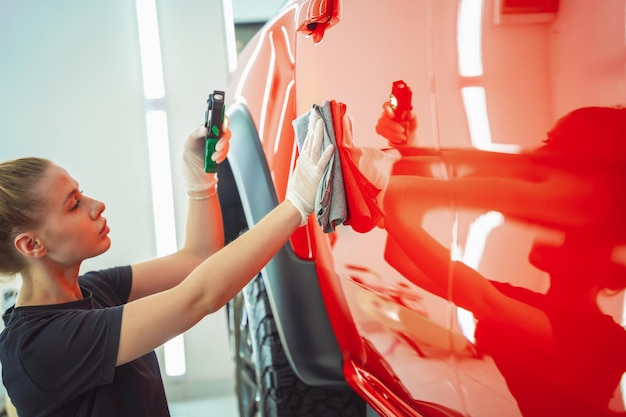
{"x":80,"y":351}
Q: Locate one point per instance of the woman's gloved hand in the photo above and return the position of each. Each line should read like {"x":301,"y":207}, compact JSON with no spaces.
{"x":194,"y":177}
{"x":397,"y":133}
{"x":309,"y":170}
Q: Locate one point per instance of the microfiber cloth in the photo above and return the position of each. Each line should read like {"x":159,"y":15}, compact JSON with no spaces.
{"x":345,"y":195}
{"x":330,"y":202}
{"x":363,"y":212}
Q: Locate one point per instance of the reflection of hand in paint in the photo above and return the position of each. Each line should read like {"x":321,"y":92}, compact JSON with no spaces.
{"x":397,"y":133}
{"x":374,"y":163}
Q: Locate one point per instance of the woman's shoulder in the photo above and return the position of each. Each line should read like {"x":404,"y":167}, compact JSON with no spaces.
{"x":109,"y":286}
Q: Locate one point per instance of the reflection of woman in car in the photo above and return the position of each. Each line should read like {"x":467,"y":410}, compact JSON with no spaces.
{"x":559,"y":353}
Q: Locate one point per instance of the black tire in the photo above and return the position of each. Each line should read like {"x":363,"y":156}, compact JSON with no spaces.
{"x":265,"y":382}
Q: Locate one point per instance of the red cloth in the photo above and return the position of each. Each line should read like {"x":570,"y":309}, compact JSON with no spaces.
{"x":363,"y":213}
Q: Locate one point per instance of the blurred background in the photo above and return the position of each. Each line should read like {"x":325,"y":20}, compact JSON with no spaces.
{"x":109,"y":89}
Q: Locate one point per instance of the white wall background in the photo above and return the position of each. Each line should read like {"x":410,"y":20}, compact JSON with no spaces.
{"x":254,"y":11}
{"x":71,"y":90}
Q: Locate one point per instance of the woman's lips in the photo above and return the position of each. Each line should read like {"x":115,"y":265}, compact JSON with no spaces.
{"x":105,"y":229}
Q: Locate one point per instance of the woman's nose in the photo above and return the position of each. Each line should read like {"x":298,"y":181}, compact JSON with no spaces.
{"x":96,"y":208}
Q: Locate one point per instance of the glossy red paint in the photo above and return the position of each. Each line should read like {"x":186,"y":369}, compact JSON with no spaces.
{"x":495,"y":284}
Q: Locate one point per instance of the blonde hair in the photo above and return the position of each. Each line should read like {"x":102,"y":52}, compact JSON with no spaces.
{"x":19,"y":207}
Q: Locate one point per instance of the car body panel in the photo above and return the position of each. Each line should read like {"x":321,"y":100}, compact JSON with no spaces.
{"x":442,"y":307}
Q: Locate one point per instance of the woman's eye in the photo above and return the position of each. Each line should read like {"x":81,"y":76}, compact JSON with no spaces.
{"x":78,"y":200}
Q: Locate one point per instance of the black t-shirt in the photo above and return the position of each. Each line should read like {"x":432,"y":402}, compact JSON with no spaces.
{"x":59,"y":360}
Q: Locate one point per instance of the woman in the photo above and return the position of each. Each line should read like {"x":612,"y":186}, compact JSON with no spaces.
{"x":83,"y":346}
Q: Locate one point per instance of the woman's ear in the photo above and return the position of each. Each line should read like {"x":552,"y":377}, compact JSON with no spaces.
{"x":28,"y":245}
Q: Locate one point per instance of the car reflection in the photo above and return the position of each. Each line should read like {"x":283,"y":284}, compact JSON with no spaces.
{"x":559,"y":353}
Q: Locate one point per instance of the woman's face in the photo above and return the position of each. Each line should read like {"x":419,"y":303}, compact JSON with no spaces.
{"x":73,"y":228}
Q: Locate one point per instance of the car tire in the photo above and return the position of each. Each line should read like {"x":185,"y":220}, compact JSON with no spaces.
{"x":266,"y":385}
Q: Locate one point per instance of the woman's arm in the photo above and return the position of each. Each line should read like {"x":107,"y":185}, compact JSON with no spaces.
{"x":204,"y":236}
{"x":206,"y":286}
{"x":151,"y":321}
{"x":204,"y":233}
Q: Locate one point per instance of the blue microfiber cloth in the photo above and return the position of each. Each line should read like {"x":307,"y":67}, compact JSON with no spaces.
{"x":331,"y":208}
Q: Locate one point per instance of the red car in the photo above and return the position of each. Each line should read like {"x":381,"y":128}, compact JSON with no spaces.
{"x":475,"y":263}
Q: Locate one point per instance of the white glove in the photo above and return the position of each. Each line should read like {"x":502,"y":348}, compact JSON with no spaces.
{"x":309,"y":170}
{"x":194,"y":177}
